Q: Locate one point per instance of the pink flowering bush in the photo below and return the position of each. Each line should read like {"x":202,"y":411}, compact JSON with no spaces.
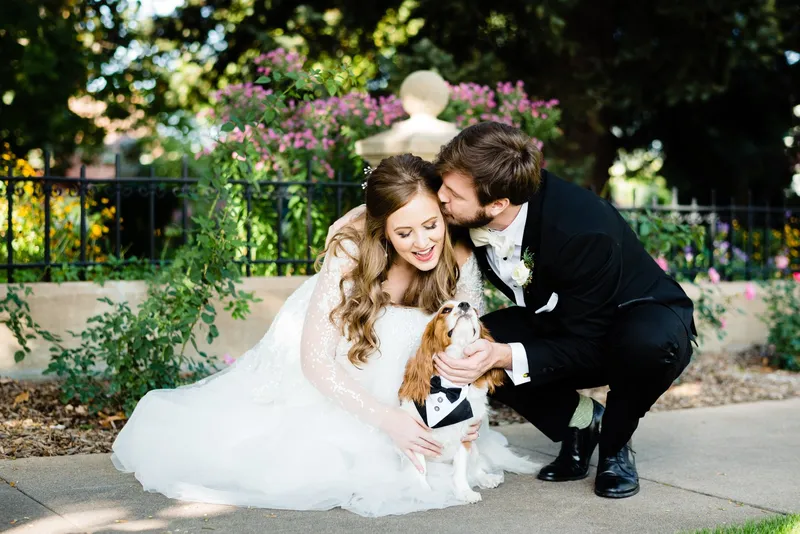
{"x":279,"y":60}
{"x":508,"y":103}
{"x":323,"y":131}
{"x":313,"y":140}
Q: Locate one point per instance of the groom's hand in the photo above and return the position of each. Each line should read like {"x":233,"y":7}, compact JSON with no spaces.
{"x":479,"y":357}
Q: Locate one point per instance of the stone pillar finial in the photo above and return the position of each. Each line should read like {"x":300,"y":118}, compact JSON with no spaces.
{"x":424,"y":94}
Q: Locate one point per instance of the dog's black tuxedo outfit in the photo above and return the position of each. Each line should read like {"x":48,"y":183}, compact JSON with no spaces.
{"x":445,"y":405}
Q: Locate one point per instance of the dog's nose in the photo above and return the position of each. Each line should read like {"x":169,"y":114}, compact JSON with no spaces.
{"x":463,"y":306}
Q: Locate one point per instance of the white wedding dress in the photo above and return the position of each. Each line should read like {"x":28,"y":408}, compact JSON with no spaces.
{"x":292,"y":424}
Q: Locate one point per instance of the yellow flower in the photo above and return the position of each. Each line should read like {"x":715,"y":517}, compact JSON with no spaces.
{"x":96,"y":231}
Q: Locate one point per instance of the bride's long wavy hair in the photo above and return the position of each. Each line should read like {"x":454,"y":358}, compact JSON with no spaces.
{"x":389,"y":187}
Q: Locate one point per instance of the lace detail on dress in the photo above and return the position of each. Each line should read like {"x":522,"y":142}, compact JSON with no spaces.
{"x":470,"y":285}
{"x":320,"y":338}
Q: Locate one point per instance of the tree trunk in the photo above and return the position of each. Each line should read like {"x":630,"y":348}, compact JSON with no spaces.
{"x":605,"y":152}
{"x":588,"y":140}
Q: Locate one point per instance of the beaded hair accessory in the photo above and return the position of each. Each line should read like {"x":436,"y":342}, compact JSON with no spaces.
{"x":367,"y":173}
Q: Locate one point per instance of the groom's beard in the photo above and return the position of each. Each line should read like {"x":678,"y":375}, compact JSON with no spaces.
{"x":479,"y":218}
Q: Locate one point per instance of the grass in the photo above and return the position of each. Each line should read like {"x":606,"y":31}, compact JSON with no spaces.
{"x":781,"y":524}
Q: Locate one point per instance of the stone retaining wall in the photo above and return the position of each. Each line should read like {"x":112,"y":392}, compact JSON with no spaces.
{"x":67,"y":306}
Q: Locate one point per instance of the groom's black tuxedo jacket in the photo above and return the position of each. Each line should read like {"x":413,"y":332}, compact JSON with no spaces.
{"x":588,"y":254}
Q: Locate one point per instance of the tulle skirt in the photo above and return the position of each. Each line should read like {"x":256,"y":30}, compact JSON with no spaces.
{"x":220,"y":441}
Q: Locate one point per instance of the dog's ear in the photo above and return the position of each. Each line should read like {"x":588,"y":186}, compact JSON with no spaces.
{"x":419,"y":369}
{"x":493,"y":378}
{"x":485,"y":333}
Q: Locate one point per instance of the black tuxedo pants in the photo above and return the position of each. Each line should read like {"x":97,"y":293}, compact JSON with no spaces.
{"x":647,"y":348}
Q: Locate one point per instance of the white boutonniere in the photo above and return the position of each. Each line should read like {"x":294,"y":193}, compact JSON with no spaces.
{"x":523,"y":271}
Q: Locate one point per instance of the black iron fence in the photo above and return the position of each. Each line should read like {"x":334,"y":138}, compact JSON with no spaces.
{"x":55,"y":224}
{"x":738,"y":241}
{"x":73,"y":225}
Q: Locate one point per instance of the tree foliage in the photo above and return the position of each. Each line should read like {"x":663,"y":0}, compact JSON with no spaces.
{"x":58,"y":50}
{"x":709,"y":79}
{"x":626,"y":72}
{"x":644,"y":70}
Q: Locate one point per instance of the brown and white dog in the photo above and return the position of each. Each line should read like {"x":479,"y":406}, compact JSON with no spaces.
{"x":449,"y":409}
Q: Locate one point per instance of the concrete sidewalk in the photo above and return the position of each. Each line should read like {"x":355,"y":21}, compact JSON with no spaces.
{"x":699,"y":468}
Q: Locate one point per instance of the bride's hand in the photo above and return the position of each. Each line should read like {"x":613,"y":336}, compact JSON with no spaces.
{"x":343,"y":221}
{"x":410,"y":436}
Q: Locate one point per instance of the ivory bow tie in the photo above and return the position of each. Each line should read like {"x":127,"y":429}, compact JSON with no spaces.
{"x":503,"y":245}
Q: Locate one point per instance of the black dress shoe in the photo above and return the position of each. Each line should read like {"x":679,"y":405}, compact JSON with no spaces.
{"x":616,"y":475}
{"x":572,"y":462}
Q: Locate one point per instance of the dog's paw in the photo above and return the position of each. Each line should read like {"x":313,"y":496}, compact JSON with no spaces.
{"x":489,"y":481}
{"x":468,"y":496}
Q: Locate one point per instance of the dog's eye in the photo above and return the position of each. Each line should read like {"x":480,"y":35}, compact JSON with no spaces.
{"x":447,"y":310}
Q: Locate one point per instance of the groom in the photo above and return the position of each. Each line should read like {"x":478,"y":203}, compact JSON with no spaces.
{"x":593,"y":308}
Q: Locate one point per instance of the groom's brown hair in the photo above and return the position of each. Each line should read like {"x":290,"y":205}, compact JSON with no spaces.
{"x":503,"y":161}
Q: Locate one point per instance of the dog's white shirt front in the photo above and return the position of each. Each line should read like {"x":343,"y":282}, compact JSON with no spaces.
{"x":438,"y":406}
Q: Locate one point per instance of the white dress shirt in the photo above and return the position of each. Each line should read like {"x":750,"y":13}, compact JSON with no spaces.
{"x":503,"y":268}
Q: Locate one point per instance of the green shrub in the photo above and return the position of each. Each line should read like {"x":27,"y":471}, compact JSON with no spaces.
{"x":123,"y":353}
{"x":782,"y":298}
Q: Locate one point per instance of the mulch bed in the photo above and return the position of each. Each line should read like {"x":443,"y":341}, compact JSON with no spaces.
{"x":33,"y":422}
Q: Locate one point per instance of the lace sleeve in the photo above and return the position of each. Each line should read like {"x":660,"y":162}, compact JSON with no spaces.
{"x":320,"y":338}
{"x":470,"y":285}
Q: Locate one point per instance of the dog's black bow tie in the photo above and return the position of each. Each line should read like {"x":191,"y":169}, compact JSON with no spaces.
{"x":452,"y":394}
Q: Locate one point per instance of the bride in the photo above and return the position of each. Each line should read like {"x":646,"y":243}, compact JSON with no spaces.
{"x":309,"y":418}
